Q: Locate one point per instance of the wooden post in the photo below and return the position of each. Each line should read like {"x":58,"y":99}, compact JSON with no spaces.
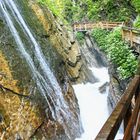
{"x":80,"y":26}
{"x":127,"y":117}
{"x":122,"y":32}
{"x":85,"y":27}
{"x":131,"y":38}
{"x":130,"y":132}
{"x":136,"y":130}
{"x":107,"y":26}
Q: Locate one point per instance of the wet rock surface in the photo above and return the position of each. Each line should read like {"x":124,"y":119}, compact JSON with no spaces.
{"x":29,"y":118}
{"x":116,"y":87}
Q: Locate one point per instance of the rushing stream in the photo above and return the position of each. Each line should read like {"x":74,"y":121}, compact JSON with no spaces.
{"x":93,"y":104}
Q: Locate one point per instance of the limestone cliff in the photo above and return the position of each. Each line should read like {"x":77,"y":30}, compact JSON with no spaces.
{"x":63,"y":42}
{"x":23,"y":111}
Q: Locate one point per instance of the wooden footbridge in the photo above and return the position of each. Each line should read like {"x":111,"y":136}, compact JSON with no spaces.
{"x":129,"y":34}
{"x":85,"y":26}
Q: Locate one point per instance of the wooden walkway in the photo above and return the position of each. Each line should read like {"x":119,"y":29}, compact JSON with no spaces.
{"x":131,"y":35}
{"x":126,"y":111}
{"x":85,"y":26}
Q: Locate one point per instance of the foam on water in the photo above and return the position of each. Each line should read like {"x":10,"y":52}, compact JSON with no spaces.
{"x":93,"y":105}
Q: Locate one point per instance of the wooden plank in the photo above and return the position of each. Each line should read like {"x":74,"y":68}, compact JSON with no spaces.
{"x":131,"y":38}
{"x":112,"y":125}
{"x":132,"y":122}
{"x":136,"y":39}
{"x":129,"y":28}
{"x":127,"y":117}
{"x":102,"y":24}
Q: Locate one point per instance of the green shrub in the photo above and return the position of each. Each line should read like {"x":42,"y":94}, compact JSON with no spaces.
{"x":117,"y":51}
{"x":136,"y":4}
{"x":80,"y":37}
{"x":100,"y":36}
{"x":137,"y":22}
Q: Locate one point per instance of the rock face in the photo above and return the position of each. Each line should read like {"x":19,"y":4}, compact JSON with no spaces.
{"x":23,"y":111}
{"x":60,"y":39}
{"x":91,"y":53}
{"x":116,"y":87}
{"x":92,"y":57}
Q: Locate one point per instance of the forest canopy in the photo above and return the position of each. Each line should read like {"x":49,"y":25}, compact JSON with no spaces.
{"x":94,"y":10}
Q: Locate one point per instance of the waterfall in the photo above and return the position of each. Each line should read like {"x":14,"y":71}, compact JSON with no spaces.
{"x":45,"y":80}
{"x":93,"y":104}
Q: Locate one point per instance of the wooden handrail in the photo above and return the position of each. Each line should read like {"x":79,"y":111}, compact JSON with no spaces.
{"x":110,"y":128}
{"x":83,"y":26}
{"x":88,"y":22}
{"x":130,"y":28}
{"x":128,"y":33}
{"x":132,"y":122}
{"x":132,"y":35}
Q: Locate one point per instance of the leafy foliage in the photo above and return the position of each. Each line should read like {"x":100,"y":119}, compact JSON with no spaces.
{"x":137,"y":22}
{"x":136,"y":3}
{"x":93,"y":10}
{"x":110,"y":10}
{"x":80,"y":37}
{"x":117,"y":51}
{"x":56,"y":6}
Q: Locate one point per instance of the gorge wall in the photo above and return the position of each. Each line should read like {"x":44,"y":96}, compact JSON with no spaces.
{"x":97,"y":59}
{"x":24,"y":113}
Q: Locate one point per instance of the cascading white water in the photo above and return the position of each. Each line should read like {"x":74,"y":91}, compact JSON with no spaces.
{"x":93,"y":104}
{"x":46,"y":82}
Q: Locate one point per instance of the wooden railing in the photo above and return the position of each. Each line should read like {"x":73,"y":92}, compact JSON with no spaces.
{"x":89,"y":26}
{"x":128,"y":33}
{"x":126,"y":113}
{"x":132,"y":35}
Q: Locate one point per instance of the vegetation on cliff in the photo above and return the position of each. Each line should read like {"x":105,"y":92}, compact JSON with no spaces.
{"x":85,"y":10}
{"x":56,"y":7}
{"x":80,"y":37}
{"x":117,"y":51}
{"x":136,"y":3}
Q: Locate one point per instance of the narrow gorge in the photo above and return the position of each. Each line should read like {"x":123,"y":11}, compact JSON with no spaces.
{"x":52,"y":86}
